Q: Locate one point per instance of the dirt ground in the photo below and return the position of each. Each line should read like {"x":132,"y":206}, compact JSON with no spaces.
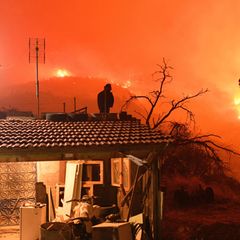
{"x":219,"y":221}
{"x":9,"y":233}
{"x":208,"y":222}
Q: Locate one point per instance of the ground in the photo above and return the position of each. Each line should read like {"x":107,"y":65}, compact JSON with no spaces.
{"x":9,"y":233}
{"x":217,"y":221}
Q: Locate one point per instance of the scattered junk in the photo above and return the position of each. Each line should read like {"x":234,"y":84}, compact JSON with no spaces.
{"x":56,"y":231}
{"x":31,"y":218}
{"x":3,"y":115}
{"x":96,"y":197}
{"x":75,"y":116}
{"x":14,"y":114}
{"x":85,"y":222}
{"x":209,"y":195}
{"x":85,"y":215}
{"x":76,"y":216}
{"x":109,"y":231}
{"x":183,"y":198}
{"x":41,"y":192}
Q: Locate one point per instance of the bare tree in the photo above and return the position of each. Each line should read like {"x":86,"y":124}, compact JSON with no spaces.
{"x":206,"y":144}
{"x":163,"y":76}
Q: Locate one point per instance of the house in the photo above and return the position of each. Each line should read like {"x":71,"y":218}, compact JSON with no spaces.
{"x":48,"y":145}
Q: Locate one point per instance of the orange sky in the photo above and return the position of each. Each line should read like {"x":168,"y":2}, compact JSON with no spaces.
{"x":124,"y":40}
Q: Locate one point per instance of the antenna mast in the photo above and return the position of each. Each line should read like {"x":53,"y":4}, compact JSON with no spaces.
{"x":37,"y":55}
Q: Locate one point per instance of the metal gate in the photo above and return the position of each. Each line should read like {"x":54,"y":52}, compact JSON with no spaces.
{"x":17,"y":186}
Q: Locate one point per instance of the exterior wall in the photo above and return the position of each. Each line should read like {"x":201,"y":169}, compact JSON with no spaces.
{"x":51,"y":173}
{"x":17,"y":186}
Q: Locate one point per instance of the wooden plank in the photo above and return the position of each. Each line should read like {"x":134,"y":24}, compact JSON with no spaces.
{"x":51,"y":208}
{"x":72,"y":186}
{"x":156,"y":199}
{"x":133,"y":191}
{"x":124,"y":194}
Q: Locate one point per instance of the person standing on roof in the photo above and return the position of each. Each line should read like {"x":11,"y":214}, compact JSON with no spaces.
{"x":105,"y":99}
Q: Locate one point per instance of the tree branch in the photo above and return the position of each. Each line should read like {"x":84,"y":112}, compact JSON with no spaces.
{"x":206,"y":143}
{"x":134,"y":98}
{"x":157,"y":94}
{"x":179,"y":104}
{"x":140,"y":114}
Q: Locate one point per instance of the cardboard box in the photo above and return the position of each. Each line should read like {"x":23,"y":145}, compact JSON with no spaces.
{"x":109,"y":231}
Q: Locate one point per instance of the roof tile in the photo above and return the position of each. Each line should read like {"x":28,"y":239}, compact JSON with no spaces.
{"x":46,"y":134}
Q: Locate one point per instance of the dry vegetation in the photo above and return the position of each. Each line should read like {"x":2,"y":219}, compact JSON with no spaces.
{"x":202,"y":200}
{"x":194,"y":217}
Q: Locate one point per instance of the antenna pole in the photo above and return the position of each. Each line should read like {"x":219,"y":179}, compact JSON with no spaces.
{"x":37,"y":80}
{"x":64,"y":107}
{"x":74,"y":104}
{"x":37,"y":55}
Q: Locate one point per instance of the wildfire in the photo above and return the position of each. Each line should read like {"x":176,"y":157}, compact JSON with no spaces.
{"x":237,"y":105}
{"x":62,"y":73}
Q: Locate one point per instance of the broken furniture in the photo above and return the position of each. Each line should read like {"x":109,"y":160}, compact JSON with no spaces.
{"x":80,"y":174}
{"x":56,"y":231}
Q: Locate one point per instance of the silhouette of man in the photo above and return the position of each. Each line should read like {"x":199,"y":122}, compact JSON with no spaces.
{"x":105,"y":99}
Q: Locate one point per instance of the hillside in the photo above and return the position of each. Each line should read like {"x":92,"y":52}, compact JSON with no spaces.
{"x":55,"y":91}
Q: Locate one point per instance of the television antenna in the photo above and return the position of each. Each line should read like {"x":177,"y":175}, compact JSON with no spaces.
{"x":37,"y":55}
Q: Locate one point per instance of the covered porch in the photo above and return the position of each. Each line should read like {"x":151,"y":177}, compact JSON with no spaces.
{"x":51,"y":145}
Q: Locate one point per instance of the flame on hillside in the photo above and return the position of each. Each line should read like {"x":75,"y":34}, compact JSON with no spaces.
{"x":62,"y":73}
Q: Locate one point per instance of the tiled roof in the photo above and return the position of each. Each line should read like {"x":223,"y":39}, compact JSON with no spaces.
{"x":35,"y":134}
